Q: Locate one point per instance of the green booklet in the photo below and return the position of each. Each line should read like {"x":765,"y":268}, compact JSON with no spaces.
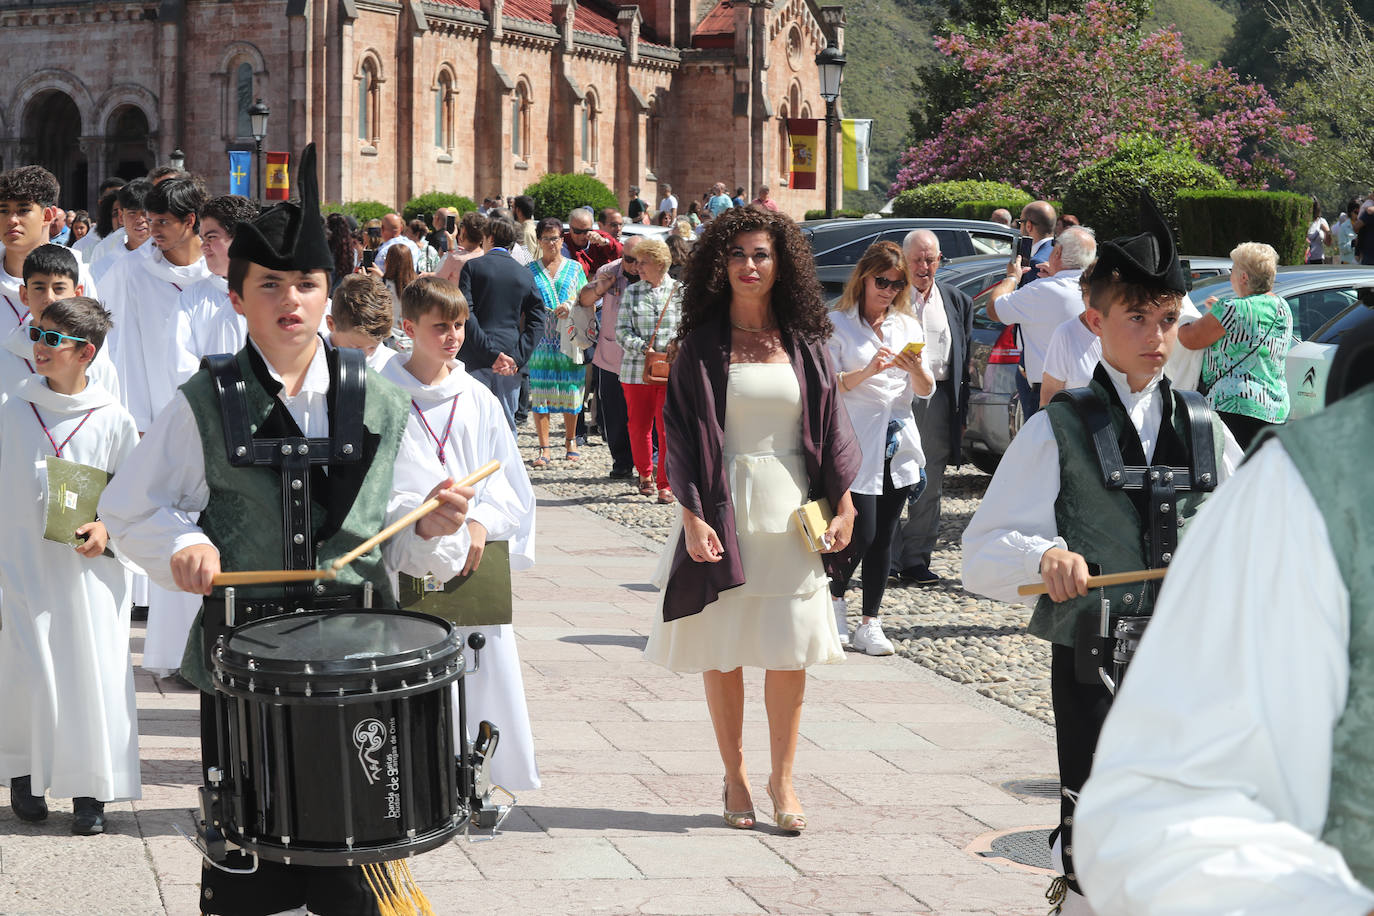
{"x":73,"y":492}
{"x":479,"y":599}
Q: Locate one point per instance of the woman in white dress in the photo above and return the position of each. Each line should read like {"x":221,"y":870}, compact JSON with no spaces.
{"x":755,"y":429}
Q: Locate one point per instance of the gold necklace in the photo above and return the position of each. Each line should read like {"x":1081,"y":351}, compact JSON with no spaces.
{"x":740,"y":327}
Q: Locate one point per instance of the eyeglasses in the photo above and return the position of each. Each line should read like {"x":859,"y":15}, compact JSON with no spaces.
{"x":550,"y":239}
{"x":884,"y":283}
{"x":51,"y":339}
{"x":1017,"y":223}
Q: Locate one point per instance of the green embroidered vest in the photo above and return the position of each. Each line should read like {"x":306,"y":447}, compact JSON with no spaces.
{"x":1103,"y":525}
{"x":1327,"y":450}
{"x":244,"y":515}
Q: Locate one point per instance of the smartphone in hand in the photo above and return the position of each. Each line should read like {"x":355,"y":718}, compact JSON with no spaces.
{"x":369,"y":257}
{"x":1023,"y":250}
{"x":452,"y":223}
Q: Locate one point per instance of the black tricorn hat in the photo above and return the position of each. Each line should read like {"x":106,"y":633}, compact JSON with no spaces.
{"x":1147,"y":259}
{"x":288,"y":236}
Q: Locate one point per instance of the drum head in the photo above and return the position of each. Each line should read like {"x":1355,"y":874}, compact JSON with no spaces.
{"x":337,"y":637}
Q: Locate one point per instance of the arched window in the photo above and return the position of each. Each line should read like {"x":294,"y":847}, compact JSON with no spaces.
{"x":243,"y":99}
{"x":652,"y":134}
{"x":368,"y":95}
{"x":443,"y":112}
{"x":587,"y":128}
{"x":520,"y":122}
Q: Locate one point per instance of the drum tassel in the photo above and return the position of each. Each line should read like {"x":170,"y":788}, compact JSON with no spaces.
{"x":394,"y":886}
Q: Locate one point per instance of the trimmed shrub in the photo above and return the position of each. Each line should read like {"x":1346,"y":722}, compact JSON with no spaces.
{"x":558,"y":194}
{"x":361,"y":210}
{"x":839,"y":214}
{"x":941,"y":198}
{"x":425,"y":205}
{"x":982,"y":209}
{"x":1214,"y":222}
{"x":1106,"y":194}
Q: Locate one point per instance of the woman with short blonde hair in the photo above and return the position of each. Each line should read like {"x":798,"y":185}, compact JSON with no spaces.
{"x":1259,"y":262}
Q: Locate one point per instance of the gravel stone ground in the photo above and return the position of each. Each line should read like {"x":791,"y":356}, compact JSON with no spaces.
{"x":959,"y":635}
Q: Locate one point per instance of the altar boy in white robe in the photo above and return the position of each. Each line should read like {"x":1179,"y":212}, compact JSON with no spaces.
{"x":68,"y":720}
{"x":462,"y":426}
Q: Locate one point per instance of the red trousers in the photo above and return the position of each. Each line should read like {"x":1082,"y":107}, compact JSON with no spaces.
{"x":644,"y":403}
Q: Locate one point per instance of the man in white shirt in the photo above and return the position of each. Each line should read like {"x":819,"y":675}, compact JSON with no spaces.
{"x":1228,"y":777}
{"x":206,"y":322}
{"x":131,"y":234}
{"x":668,"y":204}
{"x":393,"y":234}
{"x":1041,"y":307}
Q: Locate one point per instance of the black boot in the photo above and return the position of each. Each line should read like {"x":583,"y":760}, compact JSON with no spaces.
{"x":28,"y":806}
{"x":90,"y":816}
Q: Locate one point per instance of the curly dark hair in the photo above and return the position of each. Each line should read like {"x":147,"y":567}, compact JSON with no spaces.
{"x":340,"y":239}
{"x":30,"y":184}
{"x":798,"y":303}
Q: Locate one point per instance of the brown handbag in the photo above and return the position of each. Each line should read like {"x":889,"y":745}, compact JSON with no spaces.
{"x":656,"y":364}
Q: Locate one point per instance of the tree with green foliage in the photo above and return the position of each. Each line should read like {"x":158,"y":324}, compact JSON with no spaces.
{"x":426,"y":205}
{"x":361,"y":210}
{"x":944,"y":197}
{"x":558,"y":194}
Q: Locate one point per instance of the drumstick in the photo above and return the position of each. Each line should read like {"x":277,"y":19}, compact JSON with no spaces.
{"x":262,"y":576}
{"x":1120,"y":578}
{"x":486,"y":470}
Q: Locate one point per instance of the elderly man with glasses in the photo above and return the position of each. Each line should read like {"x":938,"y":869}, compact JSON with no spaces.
{"x":591,"y":248}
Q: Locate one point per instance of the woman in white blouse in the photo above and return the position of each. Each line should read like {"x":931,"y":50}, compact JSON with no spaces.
{"x":876,"y":350}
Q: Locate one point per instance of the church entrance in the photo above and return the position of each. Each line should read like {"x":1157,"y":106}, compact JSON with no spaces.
{"x":51,"y":128}
{"x":126,"y":138}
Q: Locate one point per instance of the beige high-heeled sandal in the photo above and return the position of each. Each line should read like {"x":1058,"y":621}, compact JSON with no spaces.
{"x":791,"y":822}
{"x":736,"y":819}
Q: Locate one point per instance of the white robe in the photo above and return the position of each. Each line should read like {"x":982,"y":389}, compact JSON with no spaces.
{"x":108,"y":247}
{"x":504,"y":505}
{"x":68,"y":718}
{"x":206,"y":323}
{"x":1213,"y":773}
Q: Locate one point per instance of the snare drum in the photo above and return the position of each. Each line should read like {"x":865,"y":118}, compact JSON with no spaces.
{"x":1127,"y":634}
{"x":336,"y":736}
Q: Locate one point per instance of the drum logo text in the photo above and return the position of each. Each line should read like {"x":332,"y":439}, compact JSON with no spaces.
{"x":369,"y":736}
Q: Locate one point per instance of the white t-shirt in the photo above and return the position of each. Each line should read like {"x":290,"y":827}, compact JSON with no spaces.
{"x":1073,"y":354}
{"x":668,"y":205}
{"x":1040,"y":308}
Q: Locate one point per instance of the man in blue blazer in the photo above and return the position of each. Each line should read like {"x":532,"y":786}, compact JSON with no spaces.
{"x":506,"y":316}
{"x":947,"y":316}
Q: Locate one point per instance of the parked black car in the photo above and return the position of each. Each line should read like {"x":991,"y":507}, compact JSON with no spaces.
{"x":837,"y":244}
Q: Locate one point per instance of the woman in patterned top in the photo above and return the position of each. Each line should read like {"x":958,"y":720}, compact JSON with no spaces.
{"x":1246,"y":339}
{"x":555,"y":380}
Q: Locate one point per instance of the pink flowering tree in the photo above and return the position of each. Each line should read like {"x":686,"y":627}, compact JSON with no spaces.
{"x":1059,"y":94}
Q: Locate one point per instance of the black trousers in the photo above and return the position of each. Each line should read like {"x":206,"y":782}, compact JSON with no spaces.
{"x":875,"y":526}
{"x":325,"y":891}
{"x":1244,"y":428}
{"x":1079,"y":711}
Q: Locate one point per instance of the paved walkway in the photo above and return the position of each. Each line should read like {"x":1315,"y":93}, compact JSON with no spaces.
{"x":900,"y":772}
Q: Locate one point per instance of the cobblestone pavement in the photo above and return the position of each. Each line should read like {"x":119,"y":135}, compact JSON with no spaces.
{"x":962,"y":636}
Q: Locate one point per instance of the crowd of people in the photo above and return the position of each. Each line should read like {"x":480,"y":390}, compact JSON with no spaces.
{"x":722,"y":383}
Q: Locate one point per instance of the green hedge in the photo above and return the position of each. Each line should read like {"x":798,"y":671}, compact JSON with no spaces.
{"x":941,"y":198}
{"x":558,"y":194}
{"x":426,"y":204}
{"x":839,"y":214}
{"x":1214,"y":222}
{"x":1106,"y":194}
{"x":982,"y":209}
{"x":361,"y":210}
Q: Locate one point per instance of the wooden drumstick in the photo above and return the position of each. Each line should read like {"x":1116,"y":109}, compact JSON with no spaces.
{"x":410,"y":518}
{"x":263,"y":576}
{"x":1120,"y":578}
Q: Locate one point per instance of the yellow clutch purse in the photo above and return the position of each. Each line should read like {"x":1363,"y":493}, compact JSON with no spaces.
{"x":813,"y":519}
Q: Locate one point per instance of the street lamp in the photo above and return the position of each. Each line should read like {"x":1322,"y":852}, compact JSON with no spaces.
{"x":178,"y":159}
{"x":830,"y":64}
{"x":258,"y":116}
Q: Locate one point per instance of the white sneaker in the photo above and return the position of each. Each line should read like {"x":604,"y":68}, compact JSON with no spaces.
{"x":869,"y":639}
{"x":841,"y":620}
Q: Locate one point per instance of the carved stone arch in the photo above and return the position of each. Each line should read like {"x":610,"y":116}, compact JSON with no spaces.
{"x":37,"y":83}
{"x":444,"y":90}
{"x":125,"y":94}
{"x":236,"y":52}
{"x":522,"y":113}
{"x":588,"y":127}
{"x":234,"y":99}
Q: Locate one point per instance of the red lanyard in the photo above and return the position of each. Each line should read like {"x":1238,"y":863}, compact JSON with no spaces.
{"x":440,"y":442}
{"x":18,"y":317}
{"x":174,"y":286}
{"x":58,"y":448}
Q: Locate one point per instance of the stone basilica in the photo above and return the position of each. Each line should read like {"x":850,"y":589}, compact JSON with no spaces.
{"x":478,"y":97}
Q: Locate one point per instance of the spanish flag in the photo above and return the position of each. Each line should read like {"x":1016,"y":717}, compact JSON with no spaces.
{"x":278,"y":176}
{"x":805,"y":152}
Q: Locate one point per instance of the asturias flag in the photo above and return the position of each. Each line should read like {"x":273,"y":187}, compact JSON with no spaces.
{"x":805,"y":152}
{"x":855,"y":136}
{"x":278,"y":178}
{"x":240,"y":167}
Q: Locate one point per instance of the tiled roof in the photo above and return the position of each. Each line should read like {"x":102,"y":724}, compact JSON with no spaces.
{"x":465,"y":4}
{"x":717,"y":30}
{"x":588,"y":18}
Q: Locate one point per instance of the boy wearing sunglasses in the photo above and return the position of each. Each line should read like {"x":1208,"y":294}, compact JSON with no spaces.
{"x":64,"y":647}
{"x":51,"y":272}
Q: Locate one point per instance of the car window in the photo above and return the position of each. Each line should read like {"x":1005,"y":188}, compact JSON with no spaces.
{"x":1355,"y":315}
{"x":848,"y":253}
{"x":1312,"y":310}
{"x":835,"y":241}
{"x":987,"y":243}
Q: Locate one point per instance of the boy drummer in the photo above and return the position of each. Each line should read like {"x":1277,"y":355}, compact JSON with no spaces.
{"x":1106,"y":475}
{"x":300,"y":473}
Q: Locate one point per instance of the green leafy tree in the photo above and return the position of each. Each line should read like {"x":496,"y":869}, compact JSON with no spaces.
{"x":558,"y":194}
{"x":361,"y":210}
{"x":426,"y":204}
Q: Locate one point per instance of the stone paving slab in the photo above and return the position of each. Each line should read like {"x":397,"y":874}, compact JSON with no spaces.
{"x":900,"y":772}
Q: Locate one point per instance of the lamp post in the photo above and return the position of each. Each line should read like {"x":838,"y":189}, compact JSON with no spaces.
{"x":830,"y":64}
{"x":177,"y":159}
{"x":258,"y":115}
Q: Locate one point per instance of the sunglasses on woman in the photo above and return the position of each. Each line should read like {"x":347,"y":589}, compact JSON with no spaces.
{"x":52,"y":339}
{"x":884,"y":283}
